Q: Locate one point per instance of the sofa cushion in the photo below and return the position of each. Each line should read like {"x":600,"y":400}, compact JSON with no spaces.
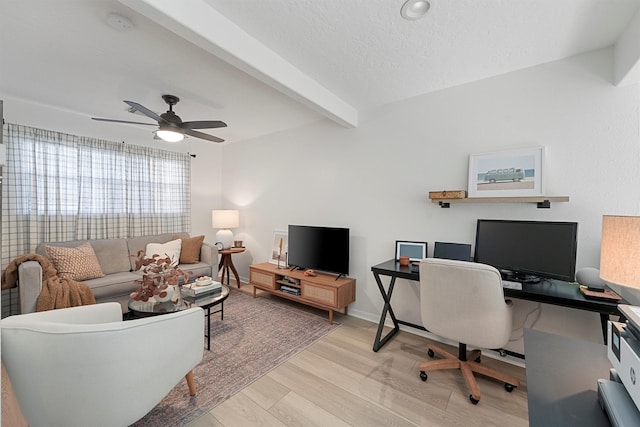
{"x":113,"y":285}
{"x":190,"y":250}
{"x":170,"y":249}
{"x":112,"y":254}
{"x":79,"y":263}
{"x":136,"y":244}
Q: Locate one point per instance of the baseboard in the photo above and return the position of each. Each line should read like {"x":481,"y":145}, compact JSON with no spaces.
{"x":488,"y":353}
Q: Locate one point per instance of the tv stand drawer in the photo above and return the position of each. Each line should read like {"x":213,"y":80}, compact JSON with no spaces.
{"x":319,"y":294}
{"x":264,"y":279}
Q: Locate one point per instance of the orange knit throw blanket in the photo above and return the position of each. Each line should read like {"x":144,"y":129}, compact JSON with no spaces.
{"x":57,"y":292}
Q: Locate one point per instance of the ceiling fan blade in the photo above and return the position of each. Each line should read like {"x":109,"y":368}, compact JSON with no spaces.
{"x":201,"y":135}
{"x":210,"y":124}
{"x":144,"y":110}
{"x":123,"y":121}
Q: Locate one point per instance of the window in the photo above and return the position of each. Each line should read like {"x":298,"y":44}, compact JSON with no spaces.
{"x":60,"y":187}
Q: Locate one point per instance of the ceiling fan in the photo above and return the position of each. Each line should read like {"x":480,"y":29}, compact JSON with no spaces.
{"x":170,"y":126}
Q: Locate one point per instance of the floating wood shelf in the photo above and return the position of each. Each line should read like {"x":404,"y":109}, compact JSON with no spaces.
{"x":540,"y":201}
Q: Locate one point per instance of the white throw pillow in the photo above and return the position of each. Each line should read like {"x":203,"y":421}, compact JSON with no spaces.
{"x":170,"y":249}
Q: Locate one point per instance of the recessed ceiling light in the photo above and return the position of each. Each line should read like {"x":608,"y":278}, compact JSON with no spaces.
{"x":415,"y":9}
{"x":119,"y":22}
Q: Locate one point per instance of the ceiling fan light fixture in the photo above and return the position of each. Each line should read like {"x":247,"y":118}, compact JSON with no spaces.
{"x":414,"y":9}
{"x":169,"y":135}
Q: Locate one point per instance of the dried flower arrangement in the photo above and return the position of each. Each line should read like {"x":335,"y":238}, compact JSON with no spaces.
{"x":158,"y":275}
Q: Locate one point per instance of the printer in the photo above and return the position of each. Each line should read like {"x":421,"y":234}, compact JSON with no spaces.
{"x":619,"y":396}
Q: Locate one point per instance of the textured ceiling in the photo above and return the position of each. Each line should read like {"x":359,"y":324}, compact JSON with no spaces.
{"x":364,"y":50}
{"x":62,"y":53}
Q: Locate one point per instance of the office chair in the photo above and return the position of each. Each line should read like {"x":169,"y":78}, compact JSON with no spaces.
{"x":464,"y":302}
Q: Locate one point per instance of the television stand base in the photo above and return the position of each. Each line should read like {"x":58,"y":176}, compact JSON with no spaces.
{"x":322,"y":291}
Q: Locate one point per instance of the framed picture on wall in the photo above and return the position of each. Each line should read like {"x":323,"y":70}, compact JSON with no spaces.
{"x":507,"y":173}
{"x":279,"y":248}
{"x":416,"y":251}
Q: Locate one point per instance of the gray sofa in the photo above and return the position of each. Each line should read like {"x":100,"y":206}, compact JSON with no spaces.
{"x":117,"y":266}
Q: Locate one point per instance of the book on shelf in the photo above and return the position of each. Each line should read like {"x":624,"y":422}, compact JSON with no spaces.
{"x":290,"y":290}
{"x":191,"y":289}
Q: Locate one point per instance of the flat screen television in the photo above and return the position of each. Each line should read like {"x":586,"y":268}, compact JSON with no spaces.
{"x":319,"y":248}
{"x":527,"y":251}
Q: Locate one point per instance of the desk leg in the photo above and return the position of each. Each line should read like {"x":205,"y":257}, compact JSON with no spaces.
{"x":603,"y":322}
{"x":378,"y":343}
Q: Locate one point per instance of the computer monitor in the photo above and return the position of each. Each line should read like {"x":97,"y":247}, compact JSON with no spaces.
{"x":456,"y":251}
{"x":527,"y":251}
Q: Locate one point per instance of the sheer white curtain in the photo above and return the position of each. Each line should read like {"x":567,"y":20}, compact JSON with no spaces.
{"x":59,"y":187}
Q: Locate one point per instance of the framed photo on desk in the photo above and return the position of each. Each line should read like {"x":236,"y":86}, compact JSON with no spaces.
{"x":416,"y":251}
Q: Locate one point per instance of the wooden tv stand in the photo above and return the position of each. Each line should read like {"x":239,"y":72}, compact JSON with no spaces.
{"x":322,"y":291}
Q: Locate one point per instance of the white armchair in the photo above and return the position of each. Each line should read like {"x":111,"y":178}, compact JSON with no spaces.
{"x":84,"y":366}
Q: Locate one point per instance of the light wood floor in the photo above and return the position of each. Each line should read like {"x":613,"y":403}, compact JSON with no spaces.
{"x":341,"y":381}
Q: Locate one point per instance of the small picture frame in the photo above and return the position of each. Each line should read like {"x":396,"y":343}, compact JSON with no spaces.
{"x":416,"y":251}
{"x":279,"y":248}
{"x":507,"y":173}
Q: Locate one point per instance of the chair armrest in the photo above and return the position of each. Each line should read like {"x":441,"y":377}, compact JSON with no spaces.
{"x":107,"y":312}
{"x":29,"y":285}
{"x":209,"y":255}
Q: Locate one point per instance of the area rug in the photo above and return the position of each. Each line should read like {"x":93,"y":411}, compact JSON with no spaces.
{"x":256,"y":336}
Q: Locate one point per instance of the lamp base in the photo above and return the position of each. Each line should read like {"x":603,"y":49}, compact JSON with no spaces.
{"x":225,"y":237}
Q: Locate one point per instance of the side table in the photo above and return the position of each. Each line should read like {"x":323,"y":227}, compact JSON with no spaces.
{"x":226,"y":263}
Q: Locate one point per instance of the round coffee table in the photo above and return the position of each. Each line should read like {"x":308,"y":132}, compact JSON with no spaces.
{"x":206,"y":302}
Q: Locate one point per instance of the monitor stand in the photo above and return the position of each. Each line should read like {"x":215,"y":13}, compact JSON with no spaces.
{"x":517,"y":276}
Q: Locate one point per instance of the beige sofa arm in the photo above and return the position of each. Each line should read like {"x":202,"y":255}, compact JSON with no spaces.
{"x":209,"y":255}
{"x":29,"y":285}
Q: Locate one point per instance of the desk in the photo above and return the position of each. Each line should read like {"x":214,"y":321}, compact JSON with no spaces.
{"x":562,"y":375}
{"x":554,"y":292}
{"x":226,"y":263}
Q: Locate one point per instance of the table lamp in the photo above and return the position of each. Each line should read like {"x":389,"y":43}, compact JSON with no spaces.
{"x":224,"y":220}
{"x":620,"y":264}
{"x":620,"y":250}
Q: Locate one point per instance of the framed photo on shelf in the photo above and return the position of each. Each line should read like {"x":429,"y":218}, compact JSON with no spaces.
{"x":416,"y":251}
{"x":279,"y":248}
{"x":507,"y":173}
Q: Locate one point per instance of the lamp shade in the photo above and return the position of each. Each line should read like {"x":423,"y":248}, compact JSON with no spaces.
{"x":225,"y":218}
{"x":620,"y":250}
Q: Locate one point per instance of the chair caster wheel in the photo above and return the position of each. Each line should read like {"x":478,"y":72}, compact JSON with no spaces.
{"x":502,"y":353}
{"x":431,"y":353}
{"x":473,"y":400}
{"x":509,"y":387}
{"x":423,"y":375}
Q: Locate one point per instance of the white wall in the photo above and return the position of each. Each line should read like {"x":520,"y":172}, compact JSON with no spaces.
{"x":375,"y":179}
